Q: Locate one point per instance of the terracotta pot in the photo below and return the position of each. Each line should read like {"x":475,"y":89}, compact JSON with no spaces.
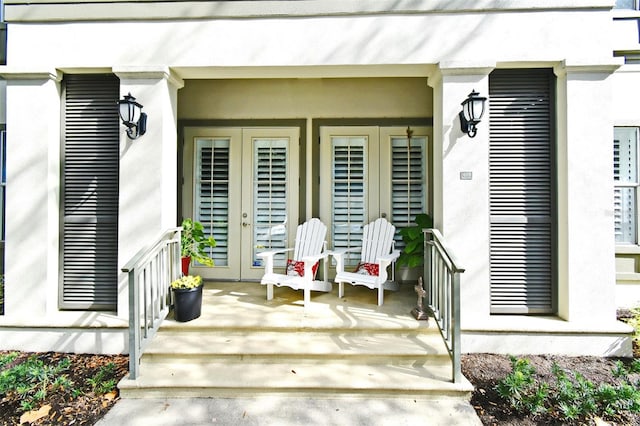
{"x":186,"y":261}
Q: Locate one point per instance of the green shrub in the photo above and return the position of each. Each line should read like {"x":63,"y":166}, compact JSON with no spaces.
{"x":103,"y":382}
{"x":32,"y":379}
{"x":521,"y":390}
{"x":571,"y":397}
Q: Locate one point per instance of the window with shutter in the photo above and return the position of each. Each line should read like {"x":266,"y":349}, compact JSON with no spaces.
{"x":90,"y":169}
{"x":522,"y":242}
{"x":408,"y":182}
{"x":349,"y":192}
{"x":212,"y":194}
{"x":625,"y":176}
{"x":374,"y":171}
{"x":270,"y":197}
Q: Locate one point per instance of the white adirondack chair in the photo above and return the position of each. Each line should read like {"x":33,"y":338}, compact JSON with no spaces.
{"x":310,"y":248}
{"x":377,"y":254}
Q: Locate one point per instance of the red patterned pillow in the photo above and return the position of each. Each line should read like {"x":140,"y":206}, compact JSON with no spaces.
{"x":368,"y":269}
{"x":296,"y":268}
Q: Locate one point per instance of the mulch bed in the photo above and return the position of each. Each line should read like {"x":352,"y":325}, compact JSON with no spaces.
{"x":62,"y":406}
{"x":484,"y":371}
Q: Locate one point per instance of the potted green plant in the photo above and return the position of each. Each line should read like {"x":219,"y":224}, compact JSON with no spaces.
{"x":193,"y":245}
{"x":412,"y":255}
{"x":187,"y":297}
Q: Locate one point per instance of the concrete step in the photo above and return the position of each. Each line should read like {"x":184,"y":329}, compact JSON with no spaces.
{"x":265,"y":344}
{"x":302,"y":378}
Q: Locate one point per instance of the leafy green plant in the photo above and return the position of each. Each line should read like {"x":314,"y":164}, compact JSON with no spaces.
{"x":194,"y":242}
{"x":575,"y":398}
{"x":521,"y":390}
{"x":412,"y":254}
{"x":187,"y":282}
{"x":571,"y":397}
{"x":103,"y":381}
{"x":32,"y":379}
{"x":7,"y":358}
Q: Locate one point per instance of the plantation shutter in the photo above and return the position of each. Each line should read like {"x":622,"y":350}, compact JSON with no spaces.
{"x":625,"y":176}
{"x":270,"y":197}
{"x":212,"y":194}
{"x":349,"y":212}
{"x":408,"y":175}
{"x":520,"y":189}
{"x":90,"y":193}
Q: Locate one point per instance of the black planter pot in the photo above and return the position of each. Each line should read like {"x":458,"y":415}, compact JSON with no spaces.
{"x":187,"y":303}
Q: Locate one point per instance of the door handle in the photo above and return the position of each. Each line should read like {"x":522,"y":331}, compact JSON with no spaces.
{"x":245,"y":224}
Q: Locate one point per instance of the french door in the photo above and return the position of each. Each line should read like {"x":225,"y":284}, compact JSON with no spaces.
{"x":369,"y":172}
{"x":242,"y":185}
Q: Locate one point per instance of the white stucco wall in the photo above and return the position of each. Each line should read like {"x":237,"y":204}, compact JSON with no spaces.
{"x":585,"y":197}
{"x":31,"y":258}
{"x":317,"y":41}
{"x":453,"y":52}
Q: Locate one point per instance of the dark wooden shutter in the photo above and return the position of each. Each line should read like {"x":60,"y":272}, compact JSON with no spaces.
{"x":521,"y":187}
{"x":90,"y":193}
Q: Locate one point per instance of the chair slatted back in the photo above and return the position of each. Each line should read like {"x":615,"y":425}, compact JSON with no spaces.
{"x":310,"y":237}
{"x":377,"y":239}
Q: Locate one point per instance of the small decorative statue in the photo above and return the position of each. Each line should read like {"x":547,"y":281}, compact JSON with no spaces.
{"x":418,"y":312}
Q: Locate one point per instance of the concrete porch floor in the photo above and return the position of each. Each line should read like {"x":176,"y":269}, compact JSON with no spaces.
{"x":244,"y":305}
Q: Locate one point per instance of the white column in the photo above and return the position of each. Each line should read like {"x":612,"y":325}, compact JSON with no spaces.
{"x":586,"y":247}
{"x":461,"y":182}
{"x":148,"y":166}
{"x":33,"y":192}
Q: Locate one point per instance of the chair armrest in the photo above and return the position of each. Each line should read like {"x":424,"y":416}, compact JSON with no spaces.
{"x":338,"y":255}
{"x":389,"y":257}
{"x":315,"y":258}
{"x":268,"y":258}
{"x":341,"y":252}
{"x":271,"y":253}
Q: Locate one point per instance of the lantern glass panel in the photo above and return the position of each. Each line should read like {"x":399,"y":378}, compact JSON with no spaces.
{"x":466,"y":109}
{"x":125,"y":113}
{"x":477,"y":108}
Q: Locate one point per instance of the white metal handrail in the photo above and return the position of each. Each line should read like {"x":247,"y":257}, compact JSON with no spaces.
{"x":442,"y":273}
{"x":151,"y":272}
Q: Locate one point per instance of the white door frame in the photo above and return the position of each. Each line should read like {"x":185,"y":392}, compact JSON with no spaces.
{"x":240,"y":266}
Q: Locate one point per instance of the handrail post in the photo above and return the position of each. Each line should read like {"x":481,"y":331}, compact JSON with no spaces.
{"x":455,"y":326}
{"x":134,"y":325}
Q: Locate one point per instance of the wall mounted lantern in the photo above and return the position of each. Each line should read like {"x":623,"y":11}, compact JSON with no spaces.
{"x":132,"y":116}
{"x":471,"y":114}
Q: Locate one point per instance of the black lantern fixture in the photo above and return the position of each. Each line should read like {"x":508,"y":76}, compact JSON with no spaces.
{"x":132,"y":116}
{"x":471,"y":114}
